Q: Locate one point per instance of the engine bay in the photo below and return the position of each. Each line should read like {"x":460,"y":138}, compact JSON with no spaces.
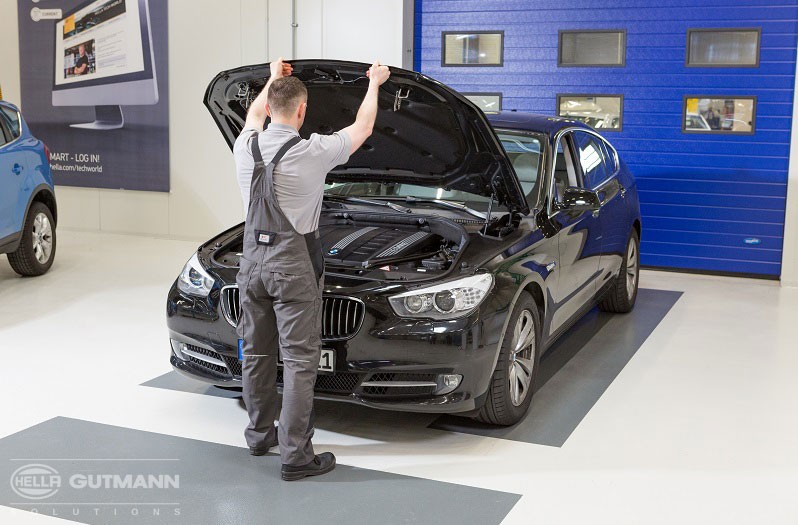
{"x":378,"y":245}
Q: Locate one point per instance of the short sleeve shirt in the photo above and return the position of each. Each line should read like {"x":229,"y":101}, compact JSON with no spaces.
{"x":299,"y":176}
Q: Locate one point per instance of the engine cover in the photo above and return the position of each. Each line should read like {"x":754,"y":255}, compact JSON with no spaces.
{"x":370,"y":246}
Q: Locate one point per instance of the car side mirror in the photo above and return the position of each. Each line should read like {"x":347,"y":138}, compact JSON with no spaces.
{"x":579,"y":199}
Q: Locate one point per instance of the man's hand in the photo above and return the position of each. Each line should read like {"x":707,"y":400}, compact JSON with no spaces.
{"x":280,"y":68}
{"x":256,"y":116}
{"x":378,"y":74}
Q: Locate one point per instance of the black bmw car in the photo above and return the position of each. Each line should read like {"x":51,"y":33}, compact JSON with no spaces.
{"x":458,"y":247}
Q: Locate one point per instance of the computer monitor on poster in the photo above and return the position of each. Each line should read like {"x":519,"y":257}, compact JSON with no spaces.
{"x":104,"y":58}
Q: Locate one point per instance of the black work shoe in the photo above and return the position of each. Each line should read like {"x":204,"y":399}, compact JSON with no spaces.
{"x":321,"y":464}
{"x":262,"y":451}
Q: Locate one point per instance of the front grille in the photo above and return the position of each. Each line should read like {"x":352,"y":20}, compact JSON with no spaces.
{"x":341,"y":316}
{"x":231,"y":304}
{"x":233,"y":364}
{"x":338,"y":383}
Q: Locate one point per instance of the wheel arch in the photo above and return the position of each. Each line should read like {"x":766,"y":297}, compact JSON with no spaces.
{"x":535,"y":285}
{"x":44,"y":194}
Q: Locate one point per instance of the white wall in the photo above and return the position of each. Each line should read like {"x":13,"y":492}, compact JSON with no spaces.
{"x":204,"y":197}
{"x":9,"y":51}
{"x":360,"y":30}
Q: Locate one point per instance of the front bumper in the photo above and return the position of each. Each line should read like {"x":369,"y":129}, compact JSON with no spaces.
{"x":385,"y":352}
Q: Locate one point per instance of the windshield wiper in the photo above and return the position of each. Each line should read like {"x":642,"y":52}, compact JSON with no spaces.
{"x":360,"y":200}
{"x":444,"y":204}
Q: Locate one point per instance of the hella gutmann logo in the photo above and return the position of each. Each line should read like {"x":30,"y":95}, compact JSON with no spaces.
{"x":35,"y":481}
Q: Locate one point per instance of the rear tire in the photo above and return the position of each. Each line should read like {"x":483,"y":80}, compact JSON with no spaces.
{"x":36,"y":250}
{"x":623,"y":294}
{"x":513,"y":381}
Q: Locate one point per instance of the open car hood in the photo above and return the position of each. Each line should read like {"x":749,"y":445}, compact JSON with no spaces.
{"x":426,"y":133}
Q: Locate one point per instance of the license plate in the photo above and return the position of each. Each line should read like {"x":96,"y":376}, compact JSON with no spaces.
{"x":326,"y":361}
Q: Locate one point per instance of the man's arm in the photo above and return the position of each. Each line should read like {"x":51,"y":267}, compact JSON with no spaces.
{"x":256,"y":116}
{"x":367,"y":114}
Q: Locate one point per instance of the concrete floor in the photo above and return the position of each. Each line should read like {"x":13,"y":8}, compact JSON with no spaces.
{"x":699,"y":427}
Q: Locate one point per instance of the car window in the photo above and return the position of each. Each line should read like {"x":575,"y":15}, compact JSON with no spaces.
{"x":524,"y":153}
{"x":5,"y":133}
{"x":610,"y":161}
{"x":564,"y":169}
{"x":11,"y":121}
{"x":522,"y":149}
{"x":591,"y":159}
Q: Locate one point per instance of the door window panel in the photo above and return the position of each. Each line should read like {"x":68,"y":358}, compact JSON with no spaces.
{"x":591,"y":159}
{"x":592,"y":48}
{"x":610,"y":161}
{"x":473,"y":49}
{"x":602,"y":112}
{"x":487,"y":102}
{"x":719,"y":115}
{"x":723,"y":47}
{"x":564,"y":170}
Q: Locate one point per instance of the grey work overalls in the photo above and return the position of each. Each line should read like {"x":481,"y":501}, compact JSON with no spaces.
{"x":280,"y":283}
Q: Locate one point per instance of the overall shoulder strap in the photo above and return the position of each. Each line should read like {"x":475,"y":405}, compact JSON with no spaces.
{"x":268,"y":170}
{"x":293,"y":141}
{"x":255,"y":146}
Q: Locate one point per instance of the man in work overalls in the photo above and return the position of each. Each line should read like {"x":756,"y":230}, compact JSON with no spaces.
{"x":281,"y":277}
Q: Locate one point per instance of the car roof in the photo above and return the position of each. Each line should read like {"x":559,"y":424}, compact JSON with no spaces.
{"x":517,"y":120}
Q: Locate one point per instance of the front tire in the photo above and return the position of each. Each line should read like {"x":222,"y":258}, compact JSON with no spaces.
{"x":623,"y":294}
{"x":513,"y":381}
{"x":37,"y":248}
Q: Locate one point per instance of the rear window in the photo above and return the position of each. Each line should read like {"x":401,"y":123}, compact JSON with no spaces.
{"x":11,"y":121}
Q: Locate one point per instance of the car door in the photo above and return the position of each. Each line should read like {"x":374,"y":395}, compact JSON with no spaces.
{"x":595,"y":177}
{"x":11,"y":168}
{"x":23,"y":166}
{"x":615,"y":222}
{"x":579,"y":238}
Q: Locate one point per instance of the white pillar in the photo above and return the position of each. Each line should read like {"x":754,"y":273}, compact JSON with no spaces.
{"x":789,"y":256}
{"x":9,"y":53}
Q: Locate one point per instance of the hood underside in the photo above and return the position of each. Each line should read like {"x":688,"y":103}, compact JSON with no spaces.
{"x":425,"y":134}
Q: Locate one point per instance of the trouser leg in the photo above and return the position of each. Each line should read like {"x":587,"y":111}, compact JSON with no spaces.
{"x":258,"y":329}
{"x":298,"y":315}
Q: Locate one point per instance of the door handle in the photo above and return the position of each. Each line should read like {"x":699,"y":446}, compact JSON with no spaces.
{"x":623,"y":192}
{"x":17,"y":169}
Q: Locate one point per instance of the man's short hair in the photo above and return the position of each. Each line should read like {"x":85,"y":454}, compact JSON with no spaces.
{"x":286,"y":94}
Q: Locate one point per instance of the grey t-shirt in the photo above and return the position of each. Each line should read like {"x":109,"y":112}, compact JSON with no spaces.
{"x":299,"y":177}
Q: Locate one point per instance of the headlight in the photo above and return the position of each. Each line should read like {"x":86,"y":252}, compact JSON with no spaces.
{"x":443,"y":301}
{"x":194,"y":280}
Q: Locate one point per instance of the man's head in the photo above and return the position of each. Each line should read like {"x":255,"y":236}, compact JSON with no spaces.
{"x":82,"y":49}
{"x":287,"y":101}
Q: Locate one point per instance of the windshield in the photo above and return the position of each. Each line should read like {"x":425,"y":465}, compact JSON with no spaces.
{"x":522,"y":149}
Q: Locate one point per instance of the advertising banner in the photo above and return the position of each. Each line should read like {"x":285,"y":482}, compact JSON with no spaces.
{"x":94,"y":76}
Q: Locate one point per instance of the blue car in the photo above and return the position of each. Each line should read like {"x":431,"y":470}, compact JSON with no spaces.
{"x":28,"y":211}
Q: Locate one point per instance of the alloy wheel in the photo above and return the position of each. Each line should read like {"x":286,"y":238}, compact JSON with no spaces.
{"x":632,"y":269}
{"x":42,"y":238}
{"x":522,"y":358}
